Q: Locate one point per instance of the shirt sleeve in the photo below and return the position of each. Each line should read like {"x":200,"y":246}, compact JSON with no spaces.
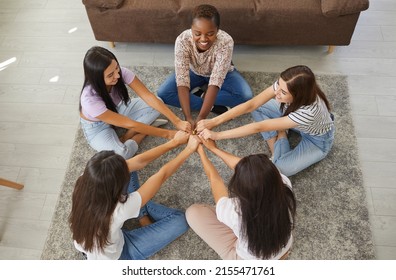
{"x":302,"y":116}
{"x":223,"y":60}
{"x":226,"y":213}
{"x":182,"y":60}
{"x":275,"y":85}
{"x":127,"y":75}
{"x":130,"y":209}
{"x":286,"y":180}
{"x":91,"y":103}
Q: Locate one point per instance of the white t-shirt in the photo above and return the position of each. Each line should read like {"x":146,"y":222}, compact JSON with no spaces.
{"x":122,"y":212}
{"x":226,"y":213}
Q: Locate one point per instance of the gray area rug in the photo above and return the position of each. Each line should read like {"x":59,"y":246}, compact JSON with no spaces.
{"x":332,"y":218}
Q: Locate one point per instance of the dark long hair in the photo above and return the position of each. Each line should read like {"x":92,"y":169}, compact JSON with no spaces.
{"x":96,"y":60}
{"x":301,"y":83}
{"x":267,"y":206}
{"x":96,"y":194}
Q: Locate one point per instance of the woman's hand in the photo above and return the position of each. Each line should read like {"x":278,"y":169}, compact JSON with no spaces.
{"x":184,"y":125}
{"x":200,"y":150}
{"x":181,"y":137}
{"x":208,"y":134}
{"x":197,"y":120}
{"x":209,"y":144}
{"x":192,"y":123}
{"x":204,"y":123}
{"x":170,"y":133}
{"x":193,"y":143}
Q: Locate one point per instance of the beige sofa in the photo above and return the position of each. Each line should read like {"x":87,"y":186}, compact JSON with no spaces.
{"x":252,"y":22}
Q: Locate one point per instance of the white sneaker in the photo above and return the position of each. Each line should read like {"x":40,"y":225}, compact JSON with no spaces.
{"x":159,"y":122}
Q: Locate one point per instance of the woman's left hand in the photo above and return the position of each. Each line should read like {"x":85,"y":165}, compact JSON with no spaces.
{"x":181,"y":137}
{"x":208,"y":134}
{"x":209,"y":144}
{"x":204,"y":123}
{"x":193,"y":142}
{"x":184,"y":125}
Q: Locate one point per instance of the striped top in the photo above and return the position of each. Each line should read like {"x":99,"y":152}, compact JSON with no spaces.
{"x":312,"y":119}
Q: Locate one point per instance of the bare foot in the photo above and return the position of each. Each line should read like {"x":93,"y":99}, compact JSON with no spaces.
{"x":145,"y":221}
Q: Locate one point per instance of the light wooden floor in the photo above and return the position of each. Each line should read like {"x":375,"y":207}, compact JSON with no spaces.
{"x":39,"y":96}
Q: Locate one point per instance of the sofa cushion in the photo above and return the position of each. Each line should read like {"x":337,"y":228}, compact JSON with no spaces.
{"x":106,"y":4}
{"x":335,"y":8}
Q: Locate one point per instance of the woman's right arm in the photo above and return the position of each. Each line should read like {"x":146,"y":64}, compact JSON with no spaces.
{"x":150,"y":98}
{"x":182,"y":75}
{"x":183,"y":93}
{"x":281,"y":123}
{"x":119,"y":120}
{"x":217,"y":185}
{"x":154,"y":183}
{"x":140,"y":161}
{"x":241,"y":109}
{"x":229,"y":159}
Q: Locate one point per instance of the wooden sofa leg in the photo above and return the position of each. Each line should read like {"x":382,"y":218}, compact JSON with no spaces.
{"x":330,"y":49}
{"x":112,"y":44}
{"x":10,"y":184}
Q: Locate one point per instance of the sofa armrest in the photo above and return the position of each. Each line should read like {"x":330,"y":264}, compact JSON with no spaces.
{"x":104,"y":4}
{"x":335,"y":8}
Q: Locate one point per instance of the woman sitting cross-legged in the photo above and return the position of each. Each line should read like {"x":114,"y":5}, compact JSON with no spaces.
{"x":203,"y":59}
{"x":253,"y":218}
{"x":295,"y":101}
{"x":107,"y":194}
{"x":105,"y":104}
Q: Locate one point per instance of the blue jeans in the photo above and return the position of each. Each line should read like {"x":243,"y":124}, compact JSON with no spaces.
{"x":102,"y":137}
{"x":310,"y":149}
{"x":234,"y":91}
{"x":141,"y":243}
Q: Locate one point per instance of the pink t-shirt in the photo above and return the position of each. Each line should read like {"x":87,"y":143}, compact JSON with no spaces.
{"x":92,"y":105}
